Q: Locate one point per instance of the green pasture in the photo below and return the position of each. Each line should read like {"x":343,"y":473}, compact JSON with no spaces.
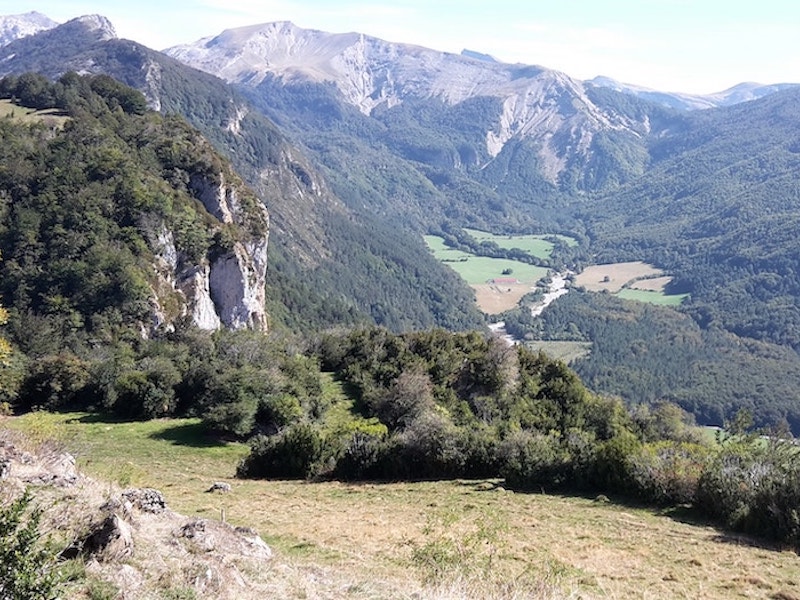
{"x":178,"y":453}
{"x":479,"y":269}
{"x":652,"y":297}
{"x":443,"y":252}
{"x":535,"y":245}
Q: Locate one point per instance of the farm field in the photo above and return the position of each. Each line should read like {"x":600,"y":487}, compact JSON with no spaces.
{"x":386,"y":540}
{"x":477,"y":270}
{"x":652,"y":297}
{"x":566,"y":351}
{"x":494,"y":299}
{"x":629,"y":280}
{"x":656,"y":284}
{"x":535,"y":245}
{"x":612,"y":277}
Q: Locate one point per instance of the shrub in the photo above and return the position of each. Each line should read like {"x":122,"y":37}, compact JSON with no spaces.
{"x":361,"y":456}
{"x":27,"y":572}
{"x":428,"y":448}
{"x":611,"y":463}
{"x":232,"y":400}
{"x":534,"y":460}
{"x":147,"y":391}
{"x":53,"y":382}
{"x":667,"y":472}
{"x":290,"y":454}
{"x":407,"y":398}
{"x":278,"y":411}
{"x":754,"y":487}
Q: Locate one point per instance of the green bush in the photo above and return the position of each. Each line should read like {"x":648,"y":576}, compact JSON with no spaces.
{"x":278,"y":411}
{"x":233,"y":398}
{"x":291,"y":454}
{"x":27,"y":571}
{"x":53,"y":382}
{"x":753,"y":486}
{"x":611,"y":463}
{"x":667,"y":472}
{"x":360,"y":458}
{"x":532,"y":461}
{"x":148,"y":390}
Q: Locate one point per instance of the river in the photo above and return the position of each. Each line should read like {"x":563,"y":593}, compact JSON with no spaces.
{"x":558,"y":287}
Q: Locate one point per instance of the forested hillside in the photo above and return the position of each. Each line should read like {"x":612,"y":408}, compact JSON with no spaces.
{"x":718,"y":208}
{"x":709,"y":197}
{"x":329,"y":264}
{"x":106,"y":218}
{"x":650,"y":353}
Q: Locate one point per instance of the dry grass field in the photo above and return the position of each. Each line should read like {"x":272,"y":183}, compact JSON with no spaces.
{"x":495,"y":299}
{"x":451,"y":539}
{"x":51,"y":116}
{"x":612,"y":277}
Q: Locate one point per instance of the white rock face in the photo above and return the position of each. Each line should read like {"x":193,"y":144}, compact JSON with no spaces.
{"x":237,"y":286}
{"x":234,"y":284}
{"x":100,"y":24}
{"x":228,"y":291}
{"x":538,"y":103}
{"x":14,"y":27}
{"x":196,"y":287}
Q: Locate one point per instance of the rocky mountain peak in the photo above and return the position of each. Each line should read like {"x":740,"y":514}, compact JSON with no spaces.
{"x":538,"y":103}
{"x":99,"y":24}
{"x":742,"y":92}
{"x":14,"y":27}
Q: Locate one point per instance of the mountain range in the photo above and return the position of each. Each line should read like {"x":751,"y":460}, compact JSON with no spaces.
{"x":358,"y":146}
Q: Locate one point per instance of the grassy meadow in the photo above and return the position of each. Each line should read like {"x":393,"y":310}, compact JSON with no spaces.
{"x":29,"y":115}
{"x":631,"y":281}
{"x":478,"y":269}
{"x":566,"y":351}
{"x":652,"y":297}
{"x":472,"y":538}
{"x":535,"y":245}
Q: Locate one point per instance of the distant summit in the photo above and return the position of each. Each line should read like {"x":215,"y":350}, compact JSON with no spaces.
{"x":743,"y":92}
{"x":14,"y":27}
{"x":478,"y":56}
{"x":98,"y":24}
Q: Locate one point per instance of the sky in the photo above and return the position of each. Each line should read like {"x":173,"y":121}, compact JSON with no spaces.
{"x":693,"y":46}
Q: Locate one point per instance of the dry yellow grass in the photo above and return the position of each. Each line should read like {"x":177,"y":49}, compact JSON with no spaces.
{"x":337,"y":540}
{"x":617,"y":274}
{"x":495,"y":299}
{"x":52,"y":117}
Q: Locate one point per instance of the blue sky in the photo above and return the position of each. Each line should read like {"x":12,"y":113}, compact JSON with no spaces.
{"x":698,"y":46}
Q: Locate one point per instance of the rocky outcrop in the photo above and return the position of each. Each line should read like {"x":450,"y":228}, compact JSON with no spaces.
{"x":110,"y":540}
{"x":14,"y":27}
{"x":131,"y":539}
{"x":237,"y":278}
{"x":226,"y":289}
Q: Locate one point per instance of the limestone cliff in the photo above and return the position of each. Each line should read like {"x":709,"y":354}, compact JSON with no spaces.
{"x":236,"y":278}
{"x":227,"y":288}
